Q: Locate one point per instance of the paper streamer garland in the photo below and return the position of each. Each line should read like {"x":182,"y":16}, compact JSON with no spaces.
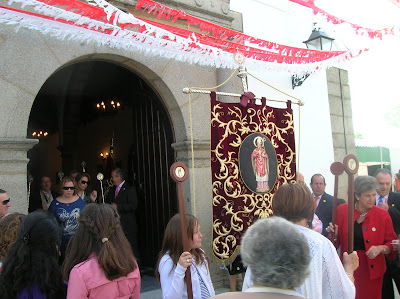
{"x":182,"y":45}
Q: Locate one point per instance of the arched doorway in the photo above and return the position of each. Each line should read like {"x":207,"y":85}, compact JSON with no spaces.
{"x":82,"y":107}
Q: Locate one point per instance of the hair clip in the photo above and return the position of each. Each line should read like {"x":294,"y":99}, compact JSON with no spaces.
{"x":104,"y":240}
{"x":25,"y":239}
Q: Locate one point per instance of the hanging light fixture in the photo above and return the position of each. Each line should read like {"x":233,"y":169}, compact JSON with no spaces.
{"x":40,"y":134}
{"x":104,"y":155}
{"x":318,"y":40}
{"x":107,"y":106}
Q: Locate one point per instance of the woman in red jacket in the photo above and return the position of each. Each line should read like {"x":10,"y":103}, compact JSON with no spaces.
{"x":373,"y":234}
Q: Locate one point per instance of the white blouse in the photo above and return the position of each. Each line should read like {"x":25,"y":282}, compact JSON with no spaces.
{"x":173,"y":285}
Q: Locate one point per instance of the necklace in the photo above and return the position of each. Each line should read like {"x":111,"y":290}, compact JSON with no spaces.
{"x":362,"y":215}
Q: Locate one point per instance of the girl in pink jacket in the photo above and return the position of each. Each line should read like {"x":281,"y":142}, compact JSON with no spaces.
{"x":99,"y":261}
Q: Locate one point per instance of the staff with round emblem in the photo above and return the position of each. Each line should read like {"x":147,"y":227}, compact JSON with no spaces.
{"x":337,"y":169}
{"x":350,"y":164}
{"x":179,"y":174}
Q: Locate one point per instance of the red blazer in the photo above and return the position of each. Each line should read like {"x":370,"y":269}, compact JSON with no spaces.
{"x":377,"y":229}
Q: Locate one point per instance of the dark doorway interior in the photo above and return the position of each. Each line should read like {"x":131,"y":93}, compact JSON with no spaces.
{"x":85,"y":105}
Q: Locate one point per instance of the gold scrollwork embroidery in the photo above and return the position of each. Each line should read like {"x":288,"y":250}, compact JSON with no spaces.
{"x":228,"y":187}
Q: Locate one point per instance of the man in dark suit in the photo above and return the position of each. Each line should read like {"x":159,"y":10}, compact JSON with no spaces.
{"x":323,"y":201}
{"x":124,"y":199}
{"x":390,"y":201}
{"x":41,"y":199}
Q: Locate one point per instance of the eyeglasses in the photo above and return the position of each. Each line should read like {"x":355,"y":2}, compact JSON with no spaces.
{"x":84,"y":182}
{"x":5,"y":202}
{"x":69,"y":188}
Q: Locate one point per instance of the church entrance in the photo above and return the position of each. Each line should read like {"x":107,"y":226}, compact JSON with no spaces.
{"x":92,"y":114}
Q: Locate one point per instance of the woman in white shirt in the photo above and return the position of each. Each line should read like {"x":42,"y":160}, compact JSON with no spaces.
{"x":173,"y":262}
{"x":328,"y":278}
{"x":276,"y":272}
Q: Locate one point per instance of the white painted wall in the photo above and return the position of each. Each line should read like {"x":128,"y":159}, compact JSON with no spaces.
{"x":288,"y":24}
{"x":395,"y":160}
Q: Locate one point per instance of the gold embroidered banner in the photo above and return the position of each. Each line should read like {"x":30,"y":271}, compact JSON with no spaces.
{"x":252,"y":154}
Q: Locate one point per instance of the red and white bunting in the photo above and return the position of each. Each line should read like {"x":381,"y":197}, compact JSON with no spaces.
{"x":105,"y":24}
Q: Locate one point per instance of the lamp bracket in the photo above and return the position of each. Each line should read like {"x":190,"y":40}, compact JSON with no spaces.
{"x":297,"y":80}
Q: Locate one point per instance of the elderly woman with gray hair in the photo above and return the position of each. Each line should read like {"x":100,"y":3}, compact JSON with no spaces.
{"x":373,"y":235}
{"x":328,"y":278}
{"x":278,"y":256}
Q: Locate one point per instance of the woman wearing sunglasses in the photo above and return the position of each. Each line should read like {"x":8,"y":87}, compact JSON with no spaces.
{"x":66,"y":209}
{"x":82,"y":181}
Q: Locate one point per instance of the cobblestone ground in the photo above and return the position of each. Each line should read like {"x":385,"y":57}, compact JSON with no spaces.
{"x":156,"y":294}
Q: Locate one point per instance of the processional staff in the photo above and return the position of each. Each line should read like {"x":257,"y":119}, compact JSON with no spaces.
{"x":336,"y":169}
{"x":100,"y":177}
{"x":30,"y":180}
{"x":350,"y":164}
{"x":179,"y":174}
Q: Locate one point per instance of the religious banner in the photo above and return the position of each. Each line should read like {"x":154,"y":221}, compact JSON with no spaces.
{"x":252,"y":154}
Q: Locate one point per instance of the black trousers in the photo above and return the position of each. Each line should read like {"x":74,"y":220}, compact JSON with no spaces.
{"x":132,"y":238}
{"x":392,"y":272}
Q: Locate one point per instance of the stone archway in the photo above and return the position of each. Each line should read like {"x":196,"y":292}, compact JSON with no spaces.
{"x":65,"y":107}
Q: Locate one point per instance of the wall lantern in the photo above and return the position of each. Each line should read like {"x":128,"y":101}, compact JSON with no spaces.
{"x":318,"y":40}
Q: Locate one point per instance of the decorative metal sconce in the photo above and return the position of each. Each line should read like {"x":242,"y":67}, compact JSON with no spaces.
{"x":297,"y":80}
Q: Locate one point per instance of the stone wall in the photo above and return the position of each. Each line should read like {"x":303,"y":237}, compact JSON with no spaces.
{"x":341,"y":120}
{"x":29,"y":58}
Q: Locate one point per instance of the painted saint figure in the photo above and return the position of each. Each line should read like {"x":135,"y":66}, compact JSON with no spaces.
{"x":260,"y":164}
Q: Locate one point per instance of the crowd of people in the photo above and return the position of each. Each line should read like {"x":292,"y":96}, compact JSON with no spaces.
{"x":71,"y":245}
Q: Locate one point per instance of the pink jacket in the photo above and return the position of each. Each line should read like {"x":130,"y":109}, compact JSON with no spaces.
{"x":87,"y":280}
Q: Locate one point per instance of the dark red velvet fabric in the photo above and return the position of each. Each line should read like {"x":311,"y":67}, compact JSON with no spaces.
{"x":235,"y":205}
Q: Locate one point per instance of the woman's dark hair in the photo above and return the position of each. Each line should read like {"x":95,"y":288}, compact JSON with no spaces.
{"x":100,"y":232}
{"x":82,"y":175}
{"x":364,"y":183}
{"x":33,"y":259}
{"x":172,"y":241}
{"x":293,"y":202}
{"x":9,"y":226}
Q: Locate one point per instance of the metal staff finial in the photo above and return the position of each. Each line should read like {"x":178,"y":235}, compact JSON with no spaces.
{"x":83,"y":164}
{"x":30,"y":180}
{"x":100,"y":177}
{"x":242,"y":74}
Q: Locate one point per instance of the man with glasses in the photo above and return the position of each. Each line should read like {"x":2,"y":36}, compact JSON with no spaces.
{"x":4,"y":203}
